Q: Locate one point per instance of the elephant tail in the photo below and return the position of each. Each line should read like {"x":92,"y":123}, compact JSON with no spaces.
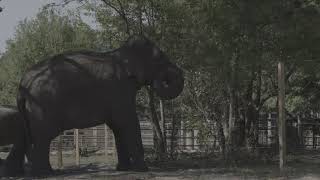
{"x":27,"y":138}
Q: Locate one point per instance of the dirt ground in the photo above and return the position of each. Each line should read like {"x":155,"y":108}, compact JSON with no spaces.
{"x":303,"y":165}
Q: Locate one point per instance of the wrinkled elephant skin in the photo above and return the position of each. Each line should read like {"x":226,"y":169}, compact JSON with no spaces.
{"x":83,"y":89}
{"x":11,"y":125}
{"x":11,"y":132}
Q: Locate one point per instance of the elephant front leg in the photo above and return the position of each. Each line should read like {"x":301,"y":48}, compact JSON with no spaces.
{"x":137,"y":155}
{"x":40,"y":159}
{"x":129,"y":142}
{"x":122,"y":151}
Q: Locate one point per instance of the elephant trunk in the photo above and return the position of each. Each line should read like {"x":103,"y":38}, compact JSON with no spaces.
{"x":169,"y":83}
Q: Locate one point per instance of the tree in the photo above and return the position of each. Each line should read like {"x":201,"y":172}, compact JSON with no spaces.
{"x":46,"y":35}
{"x":228,"y":49}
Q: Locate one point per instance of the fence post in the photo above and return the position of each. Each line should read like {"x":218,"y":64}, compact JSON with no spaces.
{"x":196,"y":144}
{"x":113,"y":146}
{"x":77,"y":149}
{"x":193,"y":139}
{"x":183,"y":135}
{"x":95,"y":136}
{"x":189,"y":139}
{"x":59,"y":152}
{"x":106,"y":141}
{"x":300,"y":131}
{"x":281,"y":117}
{"x":269,"y":138}
{"x":163,"y":120}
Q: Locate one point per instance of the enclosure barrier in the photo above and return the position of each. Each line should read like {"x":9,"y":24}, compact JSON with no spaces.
{"x":99,"y":141}
{"x":96,"y":144}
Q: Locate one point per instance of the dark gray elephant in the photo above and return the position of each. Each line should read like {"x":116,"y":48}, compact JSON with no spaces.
{"x":11,"y":129}
{"x":84,"y":89}
{"x":11,"y":125}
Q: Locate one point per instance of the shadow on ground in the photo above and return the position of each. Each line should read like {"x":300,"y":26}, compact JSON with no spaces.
{"x":302,"y":165}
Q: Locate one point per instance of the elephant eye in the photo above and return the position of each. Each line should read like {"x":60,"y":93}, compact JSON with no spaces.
{"x":156,"y":53}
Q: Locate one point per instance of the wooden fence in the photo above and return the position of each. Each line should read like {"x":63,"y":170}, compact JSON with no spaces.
{"x":99,"y":140}
{"x":303,"y":133}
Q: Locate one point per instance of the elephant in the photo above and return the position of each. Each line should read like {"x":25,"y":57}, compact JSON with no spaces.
{"x":80,"y":89}
{"x":11,"y":125}
{"x":11,"y":128}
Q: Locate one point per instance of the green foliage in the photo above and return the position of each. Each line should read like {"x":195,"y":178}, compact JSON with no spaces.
{"x":47,"y":34}
{"x":229,"y":50}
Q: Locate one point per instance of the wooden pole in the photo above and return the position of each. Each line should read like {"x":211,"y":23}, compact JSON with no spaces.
{"x":163,"y":120}
{"x":59,"y":152}
{"x":77,"y":150}
{"x":300,"y":131}
{"x":106,"y":141}
{"x":183,"y":135}
{"x":282,"y":118}
{"x":269,"y":134}
{"x":95,"y":137}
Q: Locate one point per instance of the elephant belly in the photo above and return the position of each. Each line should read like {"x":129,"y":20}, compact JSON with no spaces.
{"x":9,"y":135}
{"x":83,"y":111}
{"x":11,"y":129}
{"x":69,"y":98}
{"x":84,"y":119}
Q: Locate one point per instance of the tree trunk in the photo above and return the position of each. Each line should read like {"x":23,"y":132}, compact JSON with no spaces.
{"x":232,"y":107}
{"x":221,"y":138}
{"x":163,"y":121}
{"x":252,"y":116}
{"x":242,"y":127}
{"x":174,"y":132}
{"x":257,"y":104}
{"x":59,"y":152}
{"x":77,"y":147}
{"x":252,"y":110}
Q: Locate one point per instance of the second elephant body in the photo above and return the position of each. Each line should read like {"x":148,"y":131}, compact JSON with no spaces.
{"x":11,"y":125}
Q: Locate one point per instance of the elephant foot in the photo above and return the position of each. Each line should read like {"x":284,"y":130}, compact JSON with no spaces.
{"x":123,"y":167}
{"x":139,"y":167}
{"x":43,"y":172}
{"x":11,"y":170}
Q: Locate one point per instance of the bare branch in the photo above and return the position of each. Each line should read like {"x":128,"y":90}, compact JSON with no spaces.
{"x":62,"y":3}
{"x":140,"y":17}
{"x":121,"y":13}
{"x":1,"y":9}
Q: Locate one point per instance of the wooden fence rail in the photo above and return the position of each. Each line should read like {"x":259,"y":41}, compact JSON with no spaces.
{"x":100,"y":139}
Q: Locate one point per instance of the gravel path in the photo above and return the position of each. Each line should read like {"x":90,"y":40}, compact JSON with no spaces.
{"x":101,"y":172}
{"x":304,"y":166}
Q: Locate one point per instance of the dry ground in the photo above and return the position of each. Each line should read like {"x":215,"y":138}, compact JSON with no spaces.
{"x":303,"y":165}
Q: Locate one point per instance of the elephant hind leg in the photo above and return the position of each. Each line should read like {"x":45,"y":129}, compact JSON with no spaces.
{"x":40,"y":158}
{"x":13,"y":165}
{"x":43,"y":130}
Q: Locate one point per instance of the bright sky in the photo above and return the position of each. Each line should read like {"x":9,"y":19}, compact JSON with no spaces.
{"x":13,"y":12}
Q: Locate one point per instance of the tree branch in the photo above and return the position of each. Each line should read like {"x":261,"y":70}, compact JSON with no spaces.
{"x":120,"y":12}
{"x":1,"y":9}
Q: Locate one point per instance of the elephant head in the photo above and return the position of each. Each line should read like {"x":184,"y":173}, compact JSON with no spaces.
{"x":150,"y":66}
